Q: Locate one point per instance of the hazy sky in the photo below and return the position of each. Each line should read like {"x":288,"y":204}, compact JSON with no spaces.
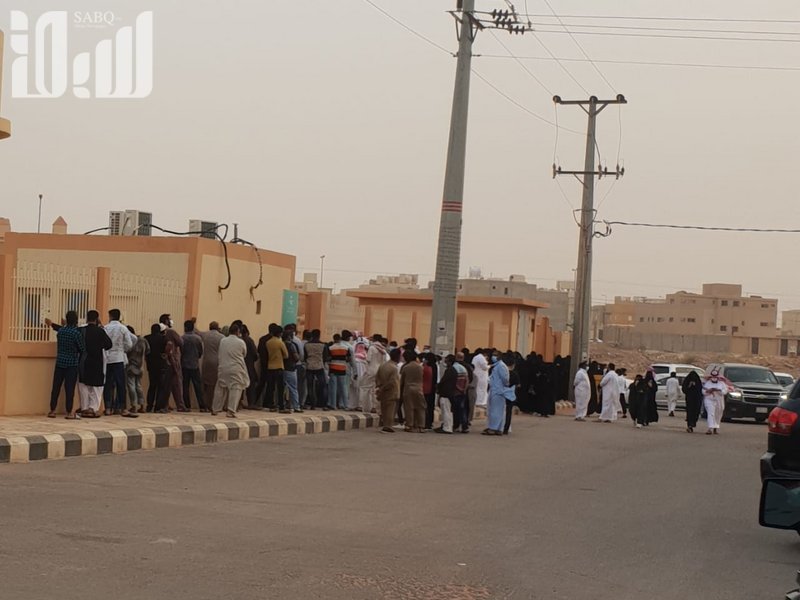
{"x":321,"y":127}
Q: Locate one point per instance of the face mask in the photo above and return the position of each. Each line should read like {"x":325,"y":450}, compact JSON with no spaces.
{"x":494,"y":359}
{"x":171,"y":323}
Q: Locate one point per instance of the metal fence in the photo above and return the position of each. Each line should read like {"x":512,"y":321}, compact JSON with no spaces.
{"x":142,"y":298}
{"x":48,"y":291}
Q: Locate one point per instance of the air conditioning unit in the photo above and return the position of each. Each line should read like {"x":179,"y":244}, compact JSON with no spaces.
{"x":204,"y":229}
{"x":129,"y":222}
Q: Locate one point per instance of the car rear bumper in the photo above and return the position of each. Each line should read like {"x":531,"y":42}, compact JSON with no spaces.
{"x":737,"y":409}
{"x":772,"y":469}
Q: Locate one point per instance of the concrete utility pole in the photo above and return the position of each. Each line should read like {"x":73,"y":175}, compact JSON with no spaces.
{"x":583,"y":279}
{"x":448,"y":255}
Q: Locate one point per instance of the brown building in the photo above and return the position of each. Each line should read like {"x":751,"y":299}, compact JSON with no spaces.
{"x":505,"y":323}
{"x":720,"y":309}
{"x":45,"y":275}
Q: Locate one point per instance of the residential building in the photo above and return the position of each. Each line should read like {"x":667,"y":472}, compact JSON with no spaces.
{"x":557,"y":301}
{"x":721,"y":309}
{"x":719,"y":319}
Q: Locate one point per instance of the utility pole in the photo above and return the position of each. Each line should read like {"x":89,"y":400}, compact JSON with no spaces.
{"x":448,"y":255}
{"x":583,"y":276}
{"x":39,"y":222}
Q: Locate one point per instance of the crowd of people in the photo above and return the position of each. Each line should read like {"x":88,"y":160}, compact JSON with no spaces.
{"x":225,"y":369}
{"x":606,"y":391}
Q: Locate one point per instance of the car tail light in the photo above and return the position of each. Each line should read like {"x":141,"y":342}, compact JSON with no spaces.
{"x":781,"y":421}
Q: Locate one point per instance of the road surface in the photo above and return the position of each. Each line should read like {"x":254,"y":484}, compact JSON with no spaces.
{"x":558,"y":509}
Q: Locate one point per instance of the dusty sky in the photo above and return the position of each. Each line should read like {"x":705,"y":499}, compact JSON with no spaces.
{"x":321,"y":127}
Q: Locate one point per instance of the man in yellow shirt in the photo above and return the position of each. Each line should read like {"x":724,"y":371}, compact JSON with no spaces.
{"x":276,"y":354}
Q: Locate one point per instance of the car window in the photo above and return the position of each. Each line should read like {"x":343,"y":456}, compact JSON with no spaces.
{"x":660,"y":369}
{"x":784,"y":380}
{"x":750,"y":375}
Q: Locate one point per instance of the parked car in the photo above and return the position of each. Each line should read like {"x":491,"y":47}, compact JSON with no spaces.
{"x":664,"y":369}
{"x":754,"y":391}
{"x":663,"y":372}
{"x":786,"y":380}
{"x":782,"y":458}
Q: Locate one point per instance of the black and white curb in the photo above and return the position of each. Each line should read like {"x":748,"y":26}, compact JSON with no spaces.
{"x":22,"y":449}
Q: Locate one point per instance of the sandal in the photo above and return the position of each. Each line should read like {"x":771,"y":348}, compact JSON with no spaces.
{"x":709,"y":432}
{"x":73,"y":417}
{"x":231,"y":414}
{"x":51,"y":414}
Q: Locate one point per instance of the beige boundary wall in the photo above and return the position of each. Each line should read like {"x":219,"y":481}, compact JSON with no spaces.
{"x":196,"y":264}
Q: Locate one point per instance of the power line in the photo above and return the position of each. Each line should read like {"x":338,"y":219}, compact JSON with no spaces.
{"x":671,"y":36}
{"x":596,"y":68}
{"x":477,"y":74}
{"x":654,"y":63}
{"x":702,"y":227}
{"x":685,"y":19}
{"x":407,"y":28}
{"x":560,"y":64}
{"x":521,"y":64}
{"x":681,"y":29}
{"x":522,"y":106}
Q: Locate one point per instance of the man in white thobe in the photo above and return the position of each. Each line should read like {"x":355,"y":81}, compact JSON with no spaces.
{"x":714,"y":390}
{"x":583,"y":392}
{"x":232,"y":377}
{"x":481,"y":376}
{"x":673,"y":390}
{"x":376,"y":356}
{"x":609,"y":384}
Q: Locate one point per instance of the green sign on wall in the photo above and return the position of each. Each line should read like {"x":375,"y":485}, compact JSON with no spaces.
{"x":289,"y":311}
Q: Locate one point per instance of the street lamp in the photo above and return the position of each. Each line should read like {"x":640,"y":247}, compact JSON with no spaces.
{"x":321,"y":269}
{"x":39,"y":222}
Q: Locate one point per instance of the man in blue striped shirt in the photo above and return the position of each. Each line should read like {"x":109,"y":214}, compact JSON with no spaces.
{"x":70,"y":345}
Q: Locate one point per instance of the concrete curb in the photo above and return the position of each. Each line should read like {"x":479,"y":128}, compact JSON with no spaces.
{"x":23,"y":449}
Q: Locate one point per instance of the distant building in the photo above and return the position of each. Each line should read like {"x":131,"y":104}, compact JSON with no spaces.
{"x":719,"y":319}
{"x":515,"y":286}
{"x":720,"y":309}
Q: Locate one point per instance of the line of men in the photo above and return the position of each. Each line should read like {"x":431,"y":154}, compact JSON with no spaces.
{"x":282,"y":372}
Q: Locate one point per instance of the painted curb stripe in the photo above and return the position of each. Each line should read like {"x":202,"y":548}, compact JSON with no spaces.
{"x":20,"y":449}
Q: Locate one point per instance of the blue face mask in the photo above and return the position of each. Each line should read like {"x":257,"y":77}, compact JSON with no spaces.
{"x":494,"y":359}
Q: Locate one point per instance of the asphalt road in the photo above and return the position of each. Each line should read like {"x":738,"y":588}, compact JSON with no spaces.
{"x":558,"y":509}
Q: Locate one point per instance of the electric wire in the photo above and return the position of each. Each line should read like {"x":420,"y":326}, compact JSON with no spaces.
{"x":701,"y":227}
{"x":560,"y":64}
{"x":669,"y":36}
{"x":678,"y":29}
{"x":213,"y":230}
{"x":596,"y":68}
{"x":477,"y":74}
{"x":521,"y":64}
{"x":654,"y":63}
{"x":662,"y":18}
{"x":407,"y":28}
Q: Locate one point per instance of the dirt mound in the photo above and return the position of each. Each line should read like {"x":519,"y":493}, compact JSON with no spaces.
{"x":636,"y":361}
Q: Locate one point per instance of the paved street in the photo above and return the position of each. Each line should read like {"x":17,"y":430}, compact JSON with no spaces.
{"x":557,"y":510}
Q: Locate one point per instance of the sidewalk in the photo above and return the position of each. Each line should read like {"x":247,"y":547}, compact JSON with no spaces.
{"x":25,"y":439}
